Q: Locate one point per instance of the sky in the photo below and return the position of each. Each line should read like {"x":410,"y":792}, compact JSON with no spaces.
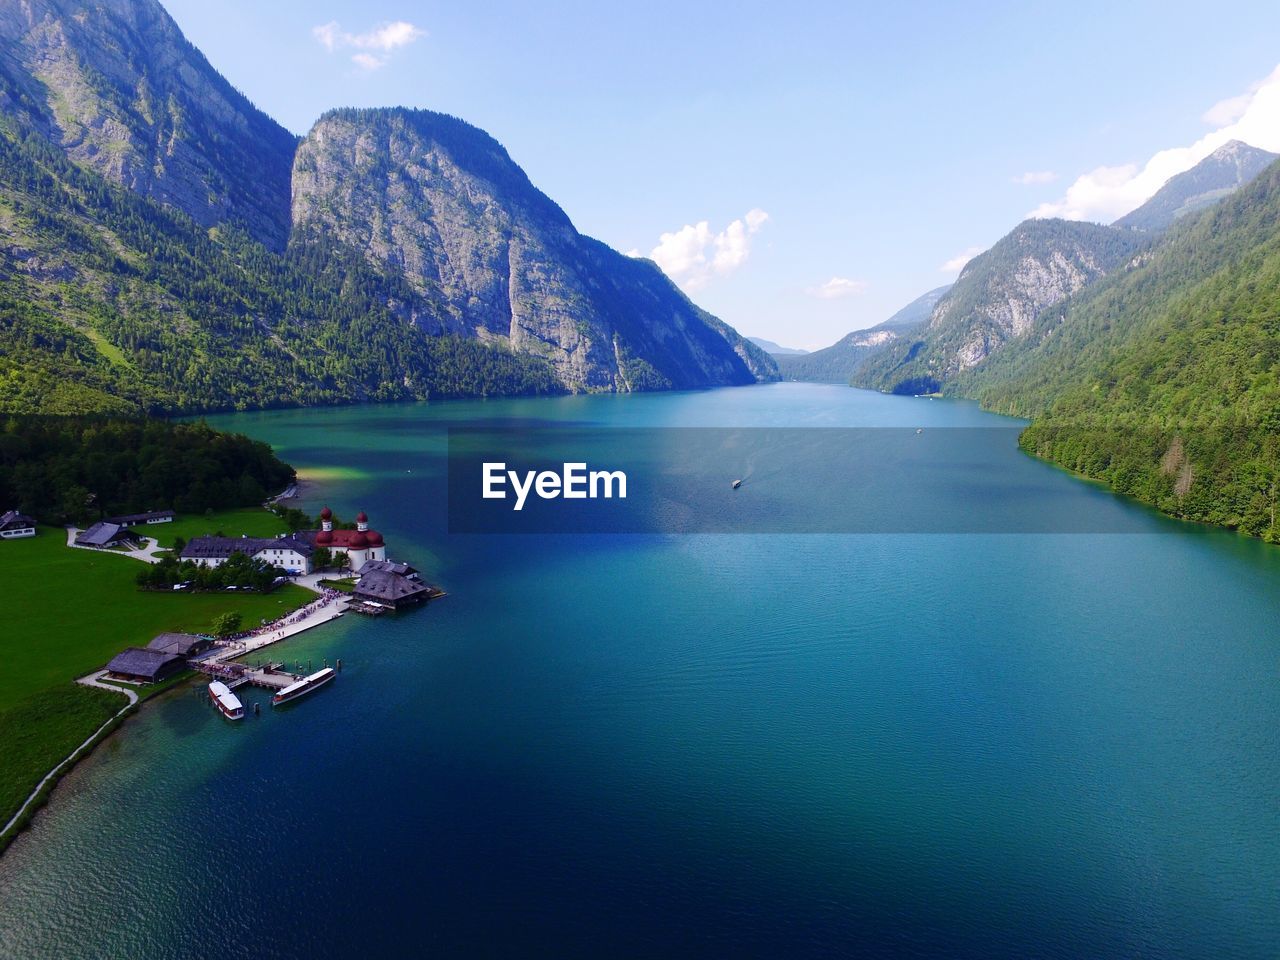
{"x":802,"y":169}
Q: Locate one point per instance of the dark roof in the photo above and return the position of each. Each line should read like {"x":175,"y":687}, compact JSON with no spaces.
{"x":182,"y":644}
{"x":141,"y":663}
{"x":103,"y":534}
{"x":15,"y":519}
{"x":204,"y":548}
{"x":387,"y":566}
{"x":128,"y":518}
{"x":388,"y":587}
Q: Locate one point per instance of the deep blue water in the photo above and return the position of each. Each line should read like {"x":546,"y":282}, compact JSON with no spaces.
{"x":945,"y":745}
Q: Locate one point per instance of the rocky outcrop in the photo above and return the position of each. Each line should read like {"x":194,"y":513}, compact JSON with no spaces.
{"x":117,"y":86}
{"x":998,"y":298}
{"x":442,"y":203}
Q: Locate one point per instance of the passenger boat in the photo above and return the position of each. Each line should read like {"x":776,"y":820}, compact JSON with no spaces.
{"x":304,"y":686}
{"x":228,"y":703}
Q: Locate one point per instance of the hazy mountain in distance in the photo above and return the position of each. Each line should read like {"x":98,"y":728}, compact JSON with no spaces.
{"x":839,"y":362}
{"x":1218,"y":175}
{"x":776,"y":350}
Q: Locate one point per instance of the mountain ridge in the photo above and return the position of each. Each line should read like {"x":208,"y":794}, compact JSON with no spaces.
{"x":1224,"y":171}
{"x":841,"y":362}
{"x":149,"y":259}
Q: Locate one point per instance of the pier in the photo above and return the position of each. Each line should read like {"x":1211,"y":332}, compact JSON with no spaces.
{"x":271,"y":676}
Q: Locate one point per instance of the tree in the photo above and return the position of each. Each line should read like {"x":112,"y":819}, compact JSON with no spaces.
{"x":226,"y":624}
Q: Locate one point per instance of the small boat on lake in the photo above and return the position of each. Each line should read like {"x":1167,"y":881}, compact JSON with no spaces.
{"x":228,"y":703}
{"x":737,"y":484}
{"x":304,"y":686}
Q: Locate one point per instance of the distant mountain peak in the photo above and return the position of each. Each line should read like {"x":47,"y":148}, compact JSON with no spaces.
{"x":1218,"y":175}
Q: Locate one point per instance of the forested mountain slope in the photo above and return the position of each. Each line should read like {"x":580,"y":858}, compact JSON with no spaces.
{"x":149,"y":260}
{"x":997,"y":299}
{"x":1165,"y":380}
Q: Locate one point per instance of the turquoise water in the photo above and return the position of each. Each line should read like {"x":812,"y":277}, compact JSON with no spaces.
{"x":713,"y":745}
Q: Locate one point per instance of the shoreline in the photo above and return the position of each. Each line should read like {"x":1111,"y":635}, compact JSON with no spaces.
{"x":328,"y":610}
{"x":44,"y":790}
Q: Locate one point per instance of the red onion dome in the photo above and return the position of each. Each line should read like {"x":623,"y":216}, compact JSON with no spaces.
{"x":358,"y":542}
{"x":375,"y":538}
{"x":362,"y":517}
{"x":324,"y":538}
{"x":326,"y":514}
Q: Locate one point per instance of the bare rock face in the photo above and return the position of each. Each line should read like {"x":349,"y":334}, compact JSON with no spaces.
{"x":998,"y":298}
{"x":441,"y":202}
{"x":117,"y":86}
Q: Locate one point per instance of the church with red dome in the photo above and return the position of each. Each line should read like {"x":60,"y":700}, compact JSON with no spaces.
{"x":358,"y":546}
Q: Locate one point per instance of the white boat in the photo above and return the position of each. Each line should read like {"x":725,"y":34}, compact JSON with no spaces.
{"x":227,"y":702}
{"x":304,"y":686}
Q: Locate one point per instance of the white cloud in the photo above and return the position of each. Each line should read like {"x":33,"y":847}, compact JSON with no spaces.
{"x":957,"y":263}
{"x":693,"y":255}
{"x":373,"y":47}
{"x":1110,"y":192}
{"x":1033,"y":177}
{"x":837,"y":288}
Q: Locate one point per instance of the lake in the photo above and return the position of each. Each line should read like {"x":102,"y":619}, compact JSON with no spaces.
{"x":765,"y":744}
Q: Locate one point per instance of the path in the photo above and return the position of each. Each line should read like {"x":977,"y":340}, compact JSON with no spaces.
{"x":146,"y":553}
{"x":328,"y":607}
{"x":93,"y":680}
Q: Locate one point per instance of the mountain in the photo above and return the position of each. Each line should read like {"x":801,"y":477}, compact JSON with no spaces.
{"x":997,"y":298}
{"x":112,"y":302}
{"x":841,"y":361}
{"x":776,"y":350}
{"x":116,"y":86}
{"x":1218,"y":175}
{"x":149,"y":260}
{"x":1164,"y":379}
{"x":442,"y":203}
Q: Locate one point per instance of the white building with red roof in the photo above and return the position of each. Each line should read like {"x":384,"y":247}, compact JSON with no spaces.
{"x":358,"y":546}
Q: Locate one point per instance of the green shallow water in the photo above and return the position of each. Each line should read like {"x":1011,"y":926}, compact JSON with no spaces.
{"x":715,"y":745}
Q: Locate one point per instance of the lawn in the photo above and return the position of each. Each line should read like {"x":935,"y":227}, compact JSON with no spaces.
{"x":254,"y":521}
{"x":69,"y":612}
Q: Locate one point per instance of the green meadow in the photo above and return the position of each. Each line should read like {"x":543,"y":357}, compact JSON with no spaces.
{"x":69,"y":612}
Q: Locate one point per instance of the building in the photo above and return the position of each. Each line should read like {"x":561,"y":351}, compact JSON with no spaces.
{"x":14,"y":525}
{"x":357,"y":547}
{"x":145,"y":666}
{"x":182,"y":644}
{"x":105,"y":534}
{"x":391,"y":585}
{"x":140,"y":519}
{"x":291,"y":553}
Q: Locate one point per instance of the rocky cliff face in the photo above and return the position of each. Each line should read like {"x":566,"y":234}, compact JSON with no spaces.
{"x":117,"y":86}
{"x":442,"y":203}
{"x":998,"y":297}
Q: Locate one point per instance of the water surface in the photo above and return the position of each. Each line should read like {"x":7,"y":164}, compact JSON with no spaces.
{"x":716,"y":745}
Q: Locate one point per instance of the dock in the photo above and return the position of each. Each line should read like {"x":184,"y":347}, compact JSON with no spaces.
{"x":271,"y":676}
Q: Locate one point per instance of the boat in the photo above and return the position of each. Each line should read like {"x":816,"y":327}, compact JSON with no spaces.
{"x":304,"y":686}
{"x":228,"y":703}
{"x":737,"y":484}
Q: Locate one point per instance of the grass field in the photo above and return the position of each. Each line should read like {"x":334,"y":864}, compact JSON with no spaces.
{"x":69,"y":612}
{"x":254,"y":521}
